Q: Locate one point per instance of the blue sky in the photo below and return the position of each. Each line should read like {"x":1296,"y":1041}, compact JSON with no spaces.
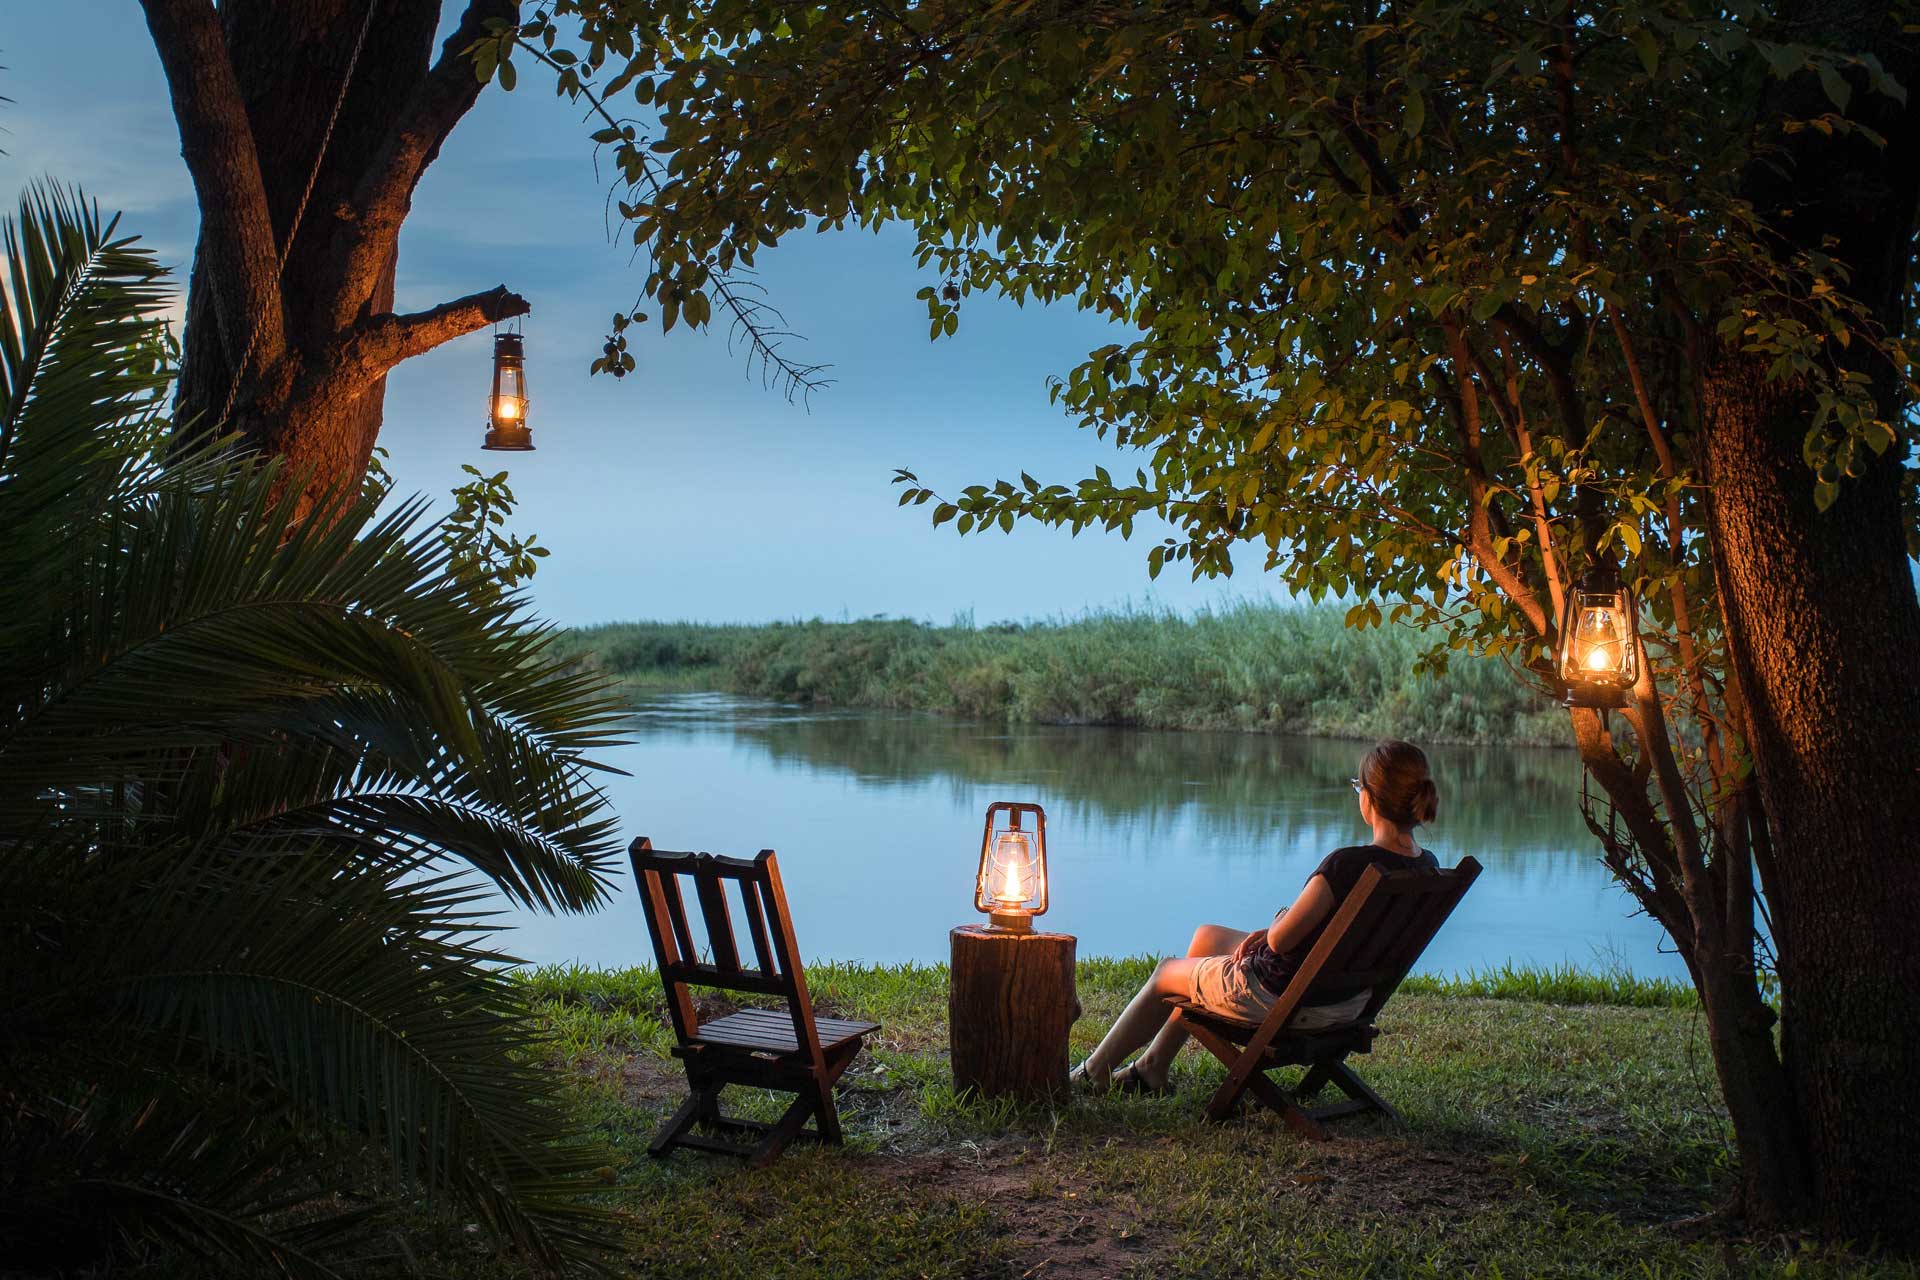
{"x":689,"y":490}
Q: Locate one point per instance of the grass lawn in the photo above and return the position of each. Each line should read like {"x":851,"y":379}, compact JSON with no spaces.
{"x":1540,"y":1139}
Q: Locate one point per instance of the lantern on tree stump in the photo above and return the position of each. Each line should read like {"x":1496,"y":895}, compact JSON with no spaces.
{"x":1011,"y":887}
{"x":507,"y":429}
{"x":1010,"y":996}
{"x":1599,"y":643}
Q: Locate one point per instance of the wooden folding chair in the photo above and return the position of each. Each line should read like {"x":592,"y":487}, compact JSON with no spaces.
{"x":792,"y":1052}
{"x":1374,"y":939}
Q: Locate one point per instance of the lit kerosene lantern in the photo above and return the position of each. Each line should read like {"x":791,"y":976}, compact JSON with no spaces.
{"x":507,"y":429}
{"x":1011,"y":887}
{"x":1599,"y":644}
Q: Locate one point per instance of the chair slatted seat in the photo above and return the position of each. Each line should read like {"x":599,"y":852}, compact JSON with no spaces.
{"x":1375,"y":938}
{"x":789,"y":1050}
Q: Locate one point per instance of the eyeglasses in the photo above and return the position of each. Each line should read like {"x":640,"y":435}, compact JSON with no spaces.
{"x":1359,"y":787}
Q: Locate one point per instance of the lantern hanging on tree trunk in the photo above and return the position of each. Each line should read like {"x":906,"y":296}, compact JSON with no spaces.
{"x":507,"y":429}
{"x":1599,"y":643}
{"x":1012,"y":884}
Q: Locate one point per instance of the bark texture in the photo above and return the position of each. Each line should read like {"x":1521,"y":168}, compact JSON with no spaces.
{"x":1010,"y":1007}
{"x":253,"y":87}
{"x":1823,"y":628}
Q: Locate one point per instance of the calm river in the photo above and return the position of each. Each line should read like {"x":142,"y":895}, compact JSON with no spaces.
{"x":876,"y":818}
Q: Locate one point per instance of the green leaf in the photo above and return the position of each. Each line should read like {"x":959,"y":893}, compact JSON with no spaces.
{"x":1839,"y":92}
{"x":1648,"y":47}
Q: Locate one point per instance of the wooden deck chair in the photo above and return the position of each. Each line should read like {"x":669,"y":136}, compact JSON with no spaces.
{"x":792,"y":1051}
{"x":1374,"y":939}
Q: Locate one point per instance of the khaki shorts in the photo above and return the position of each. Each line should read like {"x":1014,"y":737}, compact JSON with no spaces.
{"x":1226,"y":990}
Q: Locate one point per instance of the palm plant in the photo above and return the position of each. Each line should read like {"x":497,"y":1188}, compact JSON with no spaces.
{"x":256,"y":775}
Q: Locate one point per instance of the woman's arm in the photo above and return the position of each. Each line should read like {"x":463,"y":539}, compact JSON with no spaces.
{"x":1292,"y":926}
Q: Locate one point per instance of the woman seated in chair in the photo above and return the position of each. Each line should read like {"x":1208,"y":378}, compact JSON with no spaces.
{"x":1239,"y":975}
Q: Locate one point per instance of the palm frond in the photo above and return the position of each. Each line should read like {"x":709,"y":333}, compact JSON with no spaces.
{"x":249,"y":768}
{"x":82,"y":380}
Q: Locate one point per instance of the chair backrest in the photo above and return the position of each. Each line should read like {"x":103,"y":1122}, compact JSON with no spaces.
{"x":1375,"y":938}
{"x":777,"y":967}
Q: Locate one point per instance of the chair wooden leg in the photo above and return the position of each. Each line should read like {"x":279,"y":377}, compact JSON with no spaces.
{"x":1313,"y":1082}
{"x":1274,"y":1096}
{"x":1354,"y":1087}
{"x":1227,"y":1096}
{"x":682,"y":1120}
{"x":827,"y":1112}
{"x":785,"y":1131}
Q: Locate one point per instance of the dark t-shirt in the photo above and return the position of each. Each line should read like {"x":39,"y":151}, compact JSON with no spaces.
{"x":1342,"y":869}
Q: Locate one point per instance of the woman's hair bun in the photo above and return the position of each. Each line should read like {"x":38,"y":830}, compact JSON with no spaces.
{"x":1426,"y":802}
{"x":1396,"y":776}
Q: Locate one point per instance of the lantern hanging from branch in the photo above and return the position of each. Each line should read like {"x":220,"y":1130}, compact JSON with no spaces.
{"x":1012,"y":884}
{"x":507,"y":428}
{"x":1599,"y":643}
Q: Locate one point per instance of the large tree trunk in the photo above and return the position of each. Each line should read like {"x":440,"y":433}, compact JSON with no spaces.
{"x":294,"y":358}
{"x":1823,"y":628}
{"x":289,"y":60}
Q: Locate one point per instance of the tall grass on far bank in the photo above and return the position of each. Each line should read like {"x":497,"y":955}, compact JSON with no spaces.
{"x":1265,"y":668}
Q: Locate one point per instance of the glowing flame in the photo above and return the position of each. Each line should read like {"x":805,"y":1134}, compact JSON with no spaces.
{"x":1012,"y":888}
{"x":1600,"y":645}
{"x":1015,"y":857}
{"x":506,"y":408}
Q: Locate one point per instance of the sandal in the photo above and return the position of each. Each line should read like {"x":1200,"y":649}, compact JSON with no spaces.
{"x":1128,"y":1079}
{"x":1084,"y":1077}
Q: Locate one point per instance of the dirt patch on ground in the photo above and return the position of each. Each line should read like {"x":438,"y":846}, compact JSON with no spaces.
{"x":647,"y":1080}
{"x":1392,"y":1176}
{"x":1066,"y":1223}
{"x":1060,"y":1222}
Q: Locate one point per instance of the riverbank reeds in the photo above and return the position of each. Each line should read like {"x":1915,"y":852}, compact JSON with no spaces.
{"x":1266,"y":668}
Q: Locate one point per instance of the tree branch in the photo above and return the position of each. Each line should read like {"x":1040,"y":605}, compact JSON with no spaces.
{"x":237,"y":242}
{"x":384,"y":193}
{"x":1676,"y":549}
{"x":380,"y":342}
{"x":1479,"y":537}
{"x":1662,"y":898}
{"x":750,"y":316}
{"x":1542,"y":521}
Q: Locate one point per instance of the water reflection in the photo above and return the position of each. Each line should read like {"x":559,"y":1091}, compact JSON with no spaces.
{"x":876,"y":817}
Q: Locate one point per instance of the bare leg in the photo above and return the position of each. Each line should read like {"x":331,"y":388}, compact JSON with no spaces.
{"x":1145,"y":1017}
{"x":1157,"y":1062}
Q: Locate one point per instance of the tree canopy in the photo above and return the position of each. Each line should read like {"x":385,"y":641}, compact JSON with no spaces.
{"x":1445,"y":305}
{"x":1388,"y":281}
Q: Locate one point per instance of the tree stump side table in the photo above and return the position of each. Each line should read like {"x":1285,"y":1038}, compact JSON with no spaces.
{"x":1010,"y":1005}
